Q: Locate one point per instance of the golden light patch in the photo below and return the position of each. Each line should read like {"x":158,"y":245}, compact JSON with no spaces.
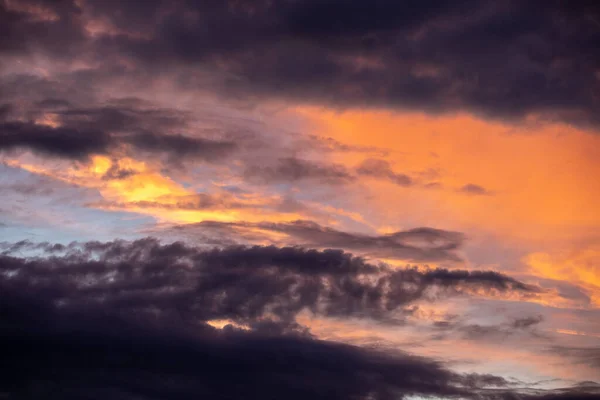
{"x":144,"y":189}
{"x":222,"y":323}
{"x":48,"y":119}
{"x":580,"y":267}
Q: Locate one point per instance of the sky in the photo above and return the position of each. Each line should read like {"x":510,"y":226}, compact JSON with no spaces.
{"x":300,"y":199}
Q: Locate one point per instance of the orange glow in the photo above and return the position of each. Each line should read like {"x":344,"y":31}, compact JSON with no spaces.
{"x":581,"y":267}
{"x":222,"y":323}
{"x":575,"y":333}
{"x":542,"y":177}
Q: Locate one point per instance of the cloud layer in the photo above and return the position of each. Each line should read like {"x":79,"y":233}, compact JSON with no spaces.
{"x":500,"y":59}
{"x":129,"y":320}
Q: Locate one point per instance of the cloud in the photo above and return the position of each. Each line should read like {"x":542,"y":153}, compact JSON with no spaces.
{"x":40,"y":26}
{"x":527,"y":322}
{"x":78,"y":133}
{"x":473,"y":189}
{"x":104,"y":354}
{"x":502,"y":60}
{"x":416,"y":245}
{"x":61,"y":142}
{"x":510,"y":63}
{"x":238,"y":283}
{"x":130,"y":320}
{"x":328,"y":144}
{"x":491,"y":332}
{"x":182,"y":146}
{"x":382,"y":169}
{"x":579,"y":355}
{"x":291,"y":169}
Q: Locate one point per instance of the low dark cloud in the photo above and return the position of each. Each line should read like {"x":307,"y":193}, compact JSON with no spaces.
{"x":128,"y":321}
{"x":239,"y":283}
{"x":121,"y":118}
{"x":90,"y":353}
{"x":499,"y":59}
{"x":64,"y":142}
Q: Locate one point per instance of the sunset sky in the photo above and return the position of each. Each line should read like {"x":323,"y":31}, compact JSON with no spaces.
{"x":300,"y":199}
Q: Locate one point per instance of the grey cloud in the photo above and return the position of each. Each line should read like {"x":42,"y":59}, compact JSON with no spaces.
{"x":328,"y":144}
{"x":382,"y":169}
{"x":417,"y":245}
{"x":180,"y":146}
{"x":492,"y":332}
{"x":579,"y":355}
{"x":527,"y":322}
{"x":473,"y":189}
{"x":291,"y":169}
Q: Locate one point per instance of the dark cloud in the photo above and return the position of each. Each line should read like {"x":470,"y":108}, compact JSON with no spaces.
{"x":117,"y":173}
{"x":239,"y":283}
{"x":128,"y":321}
{"x":41,"y":26}
{"x":180,"y":146}
{"x":53,"y":103}
{"x":81,"y":132}
{"x":382,"y":169}
{"x":58,"y":142}
{"x":527,"y":322}
{"x":499,"y":59}
{"x":5,"y":110}
{"x":94,"y":354}
{"x":473,"y":189}
{"x":291,"y":169}
{"x":123,"y":115}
